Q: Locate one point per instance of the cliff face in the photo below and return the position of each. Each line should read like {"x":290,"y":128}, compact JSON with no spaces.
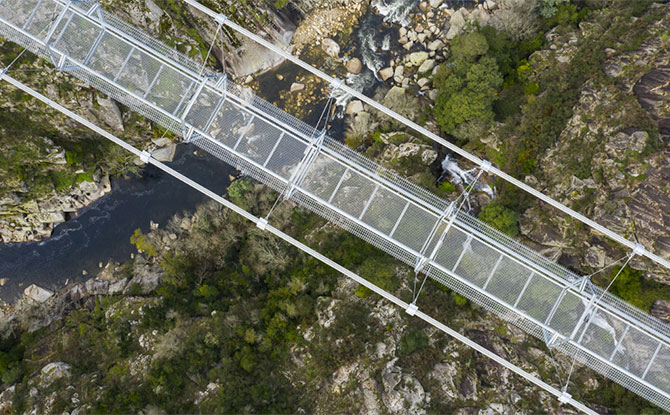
{"x":611,"y":162}
{"x":51,"y":167}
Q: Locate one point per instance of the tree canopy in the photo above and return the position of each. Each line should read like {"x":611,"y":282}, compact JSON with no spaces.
{"x":468,"y":84}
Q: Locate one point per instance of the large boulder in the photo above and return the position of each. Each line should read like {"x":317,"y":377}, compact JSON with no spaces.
{"x":426,"y":66}
{"x":165,"y":154}
{"x":109,"y":113}
{"x":435,"y":45}
{"x":354,"y":66}
{"x":331,"y":47}
{"x":36,"y":293}
{"x":297,"y":87}
{"x":417,"y":58}
{"x":457,"y":19}
{"x":354,"y":107}
{"x":54,"y":371}
{"x":386,"y":73}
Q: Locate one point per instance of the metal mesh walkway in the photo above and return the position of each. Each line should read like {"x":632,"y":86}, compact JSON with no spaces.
{"x":376,"y":204}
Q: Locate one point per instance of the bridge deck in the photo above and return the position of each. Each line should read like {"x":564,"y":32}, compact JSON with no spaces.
{"x":408,"y":222}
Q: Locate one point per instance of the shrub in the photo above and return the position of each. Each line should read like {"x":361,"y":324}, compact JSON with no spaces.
{"x":446,"y":187}
{"x":142,"y":243}
{"x":413,"y":340}
{"x":501,"y":218}
{"x":459,"y":299}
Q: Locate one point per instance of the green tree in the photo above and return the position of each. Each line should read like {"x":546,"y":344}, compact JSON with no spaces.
{"x":548,"y":8}
{"x":469,"y":46}
{"x":468,"y":84}
{"x":501,"y":218}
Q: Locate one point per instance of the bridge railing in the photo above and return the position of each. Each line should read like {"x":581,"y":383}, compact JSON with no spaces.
{"x":351,"y":191}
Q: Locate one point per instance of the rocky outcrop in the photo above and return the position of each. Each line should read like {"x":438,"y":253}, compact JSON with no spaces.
{"x":33,"y":221}
{"x":402,"y":392}
{"x":609,"y":163}
{"x":54,"y":371}
{"x":37,"y":294}
{"x":39,"y":306}
{"x":653,"y":93}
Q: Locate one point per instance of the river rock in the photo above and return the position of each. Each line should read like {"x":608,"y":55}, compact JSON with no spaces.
{"x":331,"y":47}
{"x":457,"y":19}
{"x":427,"y":66}
{"x":354,"y":66}
{"x":36,"y":293}
{"x":398,"y":73}
{"x":165,"y":154}
{"x":354,"y":107}
{"x":436,"y":3}
{"x":435,"y":45}
{"x":386,"y":73}
{"x":417,"y":58}
{"x":296,"y":87}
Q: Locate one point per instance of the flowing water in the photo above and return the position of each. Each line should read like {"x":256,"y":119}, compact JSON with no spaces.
{"x":101,"y":231}
{"x":464,"y":177}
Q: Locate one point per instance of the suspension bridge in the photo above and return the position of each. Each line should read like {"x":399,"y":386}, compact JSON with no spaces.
{"x":306,"y":166}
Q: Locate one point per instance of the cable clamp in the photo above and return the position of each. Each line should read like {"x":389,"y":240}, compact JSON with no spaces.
{"x":145,"y":156}
{"x":639,"y":250}
{"x":565,"y":397}
{"x":412,"y":309}
{"x":221,"y":18}
{"x":336,"y":83}
{"x":262,"y":224}
{"x":485,"y":166}
{"x":420,"y":264}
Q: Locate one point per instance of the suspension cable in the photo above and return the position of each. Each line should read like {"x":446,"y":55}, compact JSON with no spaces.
{"x":325,"y":114}
{"x":465,"y":195}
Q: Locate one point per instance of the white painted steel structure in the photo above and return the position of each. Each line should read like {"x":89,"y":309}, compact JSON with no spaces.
{"x":220,"y":18}
{"x":408,"y":222}
{"x":263,"y":224}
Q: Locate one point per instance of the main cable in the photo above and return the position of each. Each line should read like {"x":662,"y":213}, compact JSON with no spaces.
{"x":430,"y":320}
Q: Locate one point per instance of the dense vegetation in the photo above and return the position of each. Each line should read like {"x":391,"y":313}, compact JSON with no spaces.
{"x":232,"y":326}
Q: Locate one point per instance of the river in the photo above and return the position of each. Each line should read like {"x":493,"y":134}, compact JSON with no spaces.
{"x":101,"y":231}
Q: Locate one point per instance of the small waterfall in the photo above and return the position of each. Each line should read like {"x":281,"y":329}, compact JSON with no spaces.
{"x":465,"y":177}
{"x":395,"y":11}
{"x":386,"y":44}
{"x":358,"y":82}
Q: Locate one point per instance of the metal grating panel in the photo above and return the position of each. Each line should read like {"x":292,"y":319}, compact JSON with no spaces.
{"x":374,"y":203}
